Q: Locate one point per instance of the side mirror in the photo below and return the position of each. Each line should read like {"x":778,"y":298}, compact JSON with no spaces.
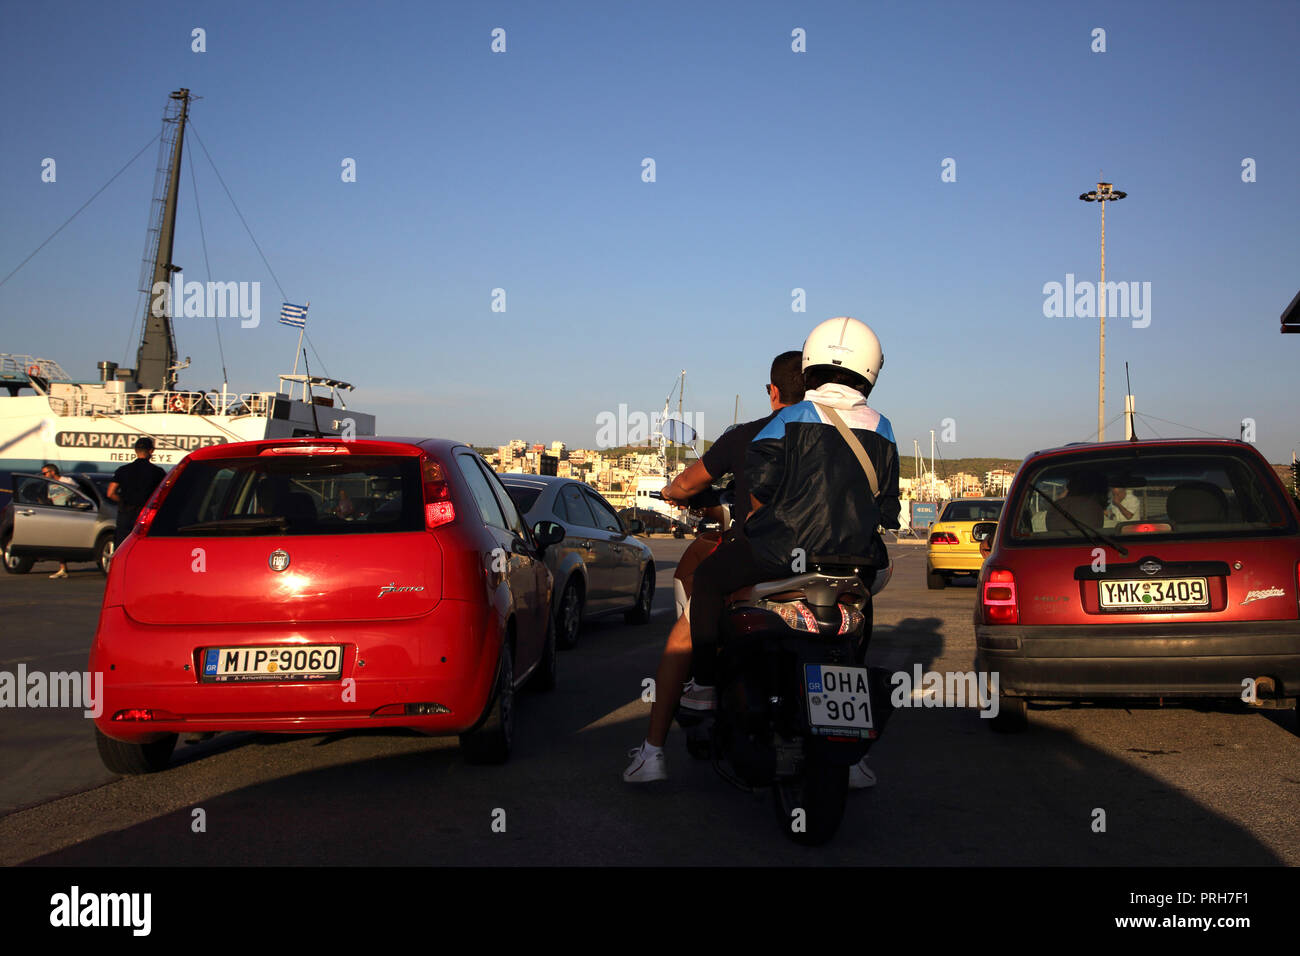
{"x":635,"y":526}
{"x":984,"y":530}
{"x":548,"y":533}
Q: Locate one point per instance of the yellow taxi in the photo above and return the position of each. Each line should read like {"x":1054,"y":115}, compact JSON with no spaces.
{"x":952,"y":549}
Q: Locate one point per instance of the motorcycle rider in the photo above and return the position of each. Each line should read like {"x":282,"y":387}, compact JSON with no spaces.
{"x":809,"y":496}
{"x":725,"y":456}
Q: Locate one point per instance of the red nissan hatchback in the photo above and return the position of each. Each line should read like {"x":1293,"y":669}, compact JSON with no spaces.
{"x":316,"y":585}
{"x":1148,"y":569}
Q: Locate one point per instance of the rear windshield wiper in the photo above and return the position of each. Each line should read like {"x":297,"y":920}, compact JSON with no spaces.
{"x":250,"y":524}
{"x":1092,"y":534}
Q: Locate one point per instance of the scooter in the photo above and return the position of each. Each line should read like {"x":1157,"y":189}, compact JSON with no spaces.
{"x":797,"y":707}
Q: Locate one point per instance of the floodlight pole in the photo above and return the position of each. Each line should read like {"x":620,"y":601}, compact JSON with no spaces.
{"x":1101,"y":194}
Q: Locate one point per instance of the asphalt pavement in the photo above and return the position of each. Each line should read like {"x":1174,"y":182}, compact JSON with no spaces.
{"x":1088,"y":785}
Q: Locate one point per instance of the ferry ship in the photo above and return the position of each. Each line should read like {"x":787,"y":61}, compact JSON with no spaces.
{"x":92,"y":425}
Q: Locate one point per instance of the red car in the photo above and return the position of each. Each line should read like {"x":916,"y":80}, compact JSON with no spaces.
{"x":1146,"y":569}
{"x":315,"y":585}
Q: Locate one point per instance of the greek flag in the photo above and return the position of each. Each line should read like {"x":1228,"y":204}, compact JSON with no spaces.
{"x":295,"y":315}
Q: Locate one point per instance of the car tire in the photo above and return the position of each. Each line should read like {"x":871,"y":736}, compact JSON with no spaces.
{"x":1012,"y":717}
{"x":544,"y":677}
{"x":569,"y":615}
{"x":130,"y":759}
{"x":489,"y":742}
{"x":934,"y":580}
{"x":645,"y":593}
{"x":12,"y":564}
{"x":104,"y":549}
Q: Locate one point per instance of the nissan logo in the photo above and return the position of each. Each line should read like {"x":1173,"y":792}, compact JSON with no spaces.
{"x":1150,"y":566}
{"x":279,"y":560}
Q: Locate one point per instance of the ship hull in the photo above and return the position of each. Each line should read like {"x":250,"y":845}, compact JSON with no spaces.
{"x":31,"y":433}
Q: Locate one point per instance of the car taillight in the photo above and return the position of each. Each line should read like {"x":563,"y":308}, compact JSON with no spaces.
{"x":999,"y":598}
{"x":150,"y":509}
{"x":438,"y":507}
{"x":943,"y":537}
{"x":1146,"y":527}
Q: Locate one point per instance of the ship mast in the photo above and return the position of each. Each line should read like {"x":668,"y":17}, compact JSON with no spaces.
{"x":156,"y":359}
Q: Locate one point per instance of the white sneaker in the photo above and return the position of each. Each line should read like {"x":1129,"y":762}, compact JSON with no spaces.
{"x":645,"y":768}
{"x":861,"y":776}
{"x":59,"y":574}
{"x":699,"y":697}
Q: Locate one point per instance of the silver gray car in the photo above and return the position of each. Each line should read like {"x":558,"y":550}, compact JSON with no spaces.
{"x":51,"y":520}
{"x":600,"y":567}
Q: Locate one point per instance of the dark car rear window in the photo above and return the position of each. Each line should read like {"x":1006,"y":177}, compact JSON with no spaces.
{"x":972,"y":511}
{"x":1175,"y":493}
{"x":345,"y":494}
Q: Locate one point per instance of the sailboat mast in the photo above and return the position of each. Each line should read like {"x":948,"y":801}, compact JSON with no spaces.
{"x":156,"y":358}
{"x":680,"y":395}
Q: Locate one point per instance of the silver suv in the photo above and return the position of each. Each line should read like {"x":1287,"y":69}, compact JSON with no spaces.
{"x":51,"y":520}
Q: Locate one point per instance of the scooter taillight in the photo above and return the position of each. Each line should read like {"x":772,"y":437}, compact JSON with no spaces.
{"x":851,"y":619}
{"x":797,"y":616}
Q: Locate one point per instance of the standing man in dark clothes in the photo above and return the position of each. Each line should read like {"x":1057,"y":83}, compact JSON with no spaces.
{"x":132,"y":485}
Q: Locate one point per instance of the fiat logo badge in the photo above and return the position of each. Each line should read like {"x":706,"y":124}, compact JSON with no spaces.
{"x":1150,"y":566}
{"x":279,"y":560}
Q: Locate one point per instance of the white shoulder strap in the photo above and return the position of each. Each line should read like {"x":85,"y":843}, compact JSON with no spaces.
{"x":859,"y":452}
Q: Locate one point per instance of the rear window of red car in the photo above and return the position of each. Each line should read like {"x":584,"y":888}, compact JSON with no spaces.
{"x":293,"y":494}
{"x":1166,"y":493}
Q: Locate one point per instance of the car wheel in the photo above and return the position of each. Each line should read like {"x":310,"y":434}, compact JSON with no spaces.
{"x":934,"y":580}
{"x":569,"y":615}
{"x":122,"y":757}
{"x":12,"y":564}
{"x":1012,"y":716}
{"x":490,"y":741}
{"x":543,"y":678}
{"x":104,"y":548}
{"x":640,"y":614}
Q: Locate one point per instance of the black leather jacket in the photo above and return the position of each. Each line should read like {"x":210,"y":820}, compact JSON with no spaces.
{"x":815,"y":494}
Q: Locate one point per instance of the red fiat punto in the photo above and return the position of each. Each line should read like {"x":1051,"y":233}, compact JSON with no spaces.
{"x":315,"y":585}
{"x":1147,"y":569}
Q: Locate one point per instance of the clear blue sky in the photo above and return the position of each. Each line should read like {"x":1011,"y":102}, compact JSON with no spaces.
{"x":775,"y":170}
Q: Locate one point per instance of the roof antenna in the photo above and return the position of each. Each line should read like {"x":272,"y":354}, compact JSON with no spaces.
{"x":312,"y":396}
{"x":1129,"y":408}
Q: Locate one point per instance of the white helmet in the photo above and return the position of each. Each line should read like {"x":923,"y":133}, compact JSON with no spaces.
{"x":847,"y":343}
